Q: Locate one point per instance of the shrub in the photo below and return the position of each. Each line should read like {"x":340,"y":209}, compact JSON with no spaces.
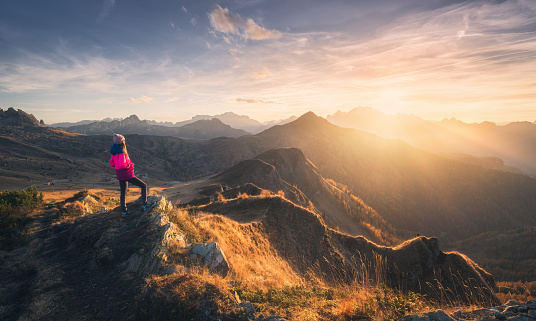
{"x":14,"y":209}
{"x":73,"y":209}
{"x":265,"y":193}
{"x":82,"y":193}
{"x":243,"y":196}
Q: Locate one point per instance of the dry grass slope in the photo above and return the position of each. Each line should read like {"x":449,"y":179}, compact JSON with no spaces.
{"x":286,"y":261}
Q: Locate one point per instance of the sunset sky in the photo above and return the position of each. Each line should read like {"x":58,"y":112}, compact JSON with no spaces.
{"x":65,"y":60}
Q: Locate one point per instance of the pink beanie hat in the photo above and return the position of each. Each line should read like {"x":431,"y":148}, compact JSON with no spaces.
{"x":118,"y":139}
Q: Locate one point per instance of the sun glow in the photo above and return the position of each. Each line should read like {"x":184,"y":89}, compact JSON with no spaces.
{"x":391,"y":101}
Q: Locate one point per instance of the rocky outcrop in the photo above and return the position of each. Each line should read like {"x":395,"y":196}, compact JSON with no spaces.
{"x":512,"y":310}
{"x":18,"y":118}
{"x":420,"y":266}
{"x":169,"y":238}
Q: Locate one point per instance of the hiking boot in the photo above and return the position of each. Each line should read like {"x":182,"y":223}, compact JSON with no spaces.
{"x":148,"y":206}
{"x":126,"y":213}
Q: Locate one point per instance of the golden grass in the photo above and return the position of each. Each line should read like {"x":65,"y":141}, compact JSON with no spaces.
{"x":517,"y":291}
{"x":253,"y":261}
{"x":258,"y":274}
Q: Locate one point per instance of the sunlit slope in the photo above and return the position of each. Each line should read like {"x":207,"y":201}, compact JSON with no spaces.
{"x":413,"y":190}
{"x":513,"y":142}
{"x":301,"y":240}
{"x":286,"y":172}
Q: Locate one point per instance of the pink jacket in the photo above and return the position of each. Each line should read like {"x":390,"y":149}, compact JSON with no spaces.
{"x":124,"y":168}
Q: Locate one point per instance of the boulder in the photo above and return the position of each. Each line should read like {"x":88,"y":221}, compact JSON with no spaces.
{"x":438,"y":315}
{"x":212,"y":256}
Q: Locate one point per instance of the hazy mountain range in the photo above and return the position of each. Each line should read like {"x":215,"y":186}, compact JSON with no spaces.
{"x":507,"y":147}
{"x":382,"y":184}
{"x":241,"y":122}
{"x":513,"y":142}
{"x":203,"y":129}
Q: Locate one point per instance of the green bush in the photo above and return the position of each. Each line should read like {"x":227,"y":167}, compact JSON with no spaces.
{"x":14,"y":207}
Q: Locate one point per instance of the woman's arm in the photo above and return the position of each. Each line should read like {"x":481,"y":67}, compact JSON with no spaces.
{"x":121,"y":161}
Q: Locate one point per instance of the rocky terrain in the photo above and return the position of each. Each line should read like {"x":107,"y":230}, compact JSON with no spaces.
{"x":92,"y":263}
{"x":18,"y":118}
{"x":512,"y":310}
{"x":254,"y":212}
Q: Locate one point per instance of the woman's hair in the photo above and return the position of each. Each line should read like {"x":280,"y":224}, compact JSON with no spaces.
{"x":124,"y":147}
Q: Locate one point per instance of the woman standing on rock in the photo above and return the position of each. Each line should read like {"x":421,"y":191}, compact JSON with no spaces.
{"x":124,"y":172}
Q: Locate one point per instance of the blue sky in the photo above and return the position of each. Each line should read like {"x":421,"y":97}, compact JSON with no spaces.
{"x":269,"y":59}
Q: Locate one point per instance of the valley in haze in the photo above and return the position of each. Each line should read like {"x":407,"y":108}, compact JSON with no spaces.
{"x":332,"y":202}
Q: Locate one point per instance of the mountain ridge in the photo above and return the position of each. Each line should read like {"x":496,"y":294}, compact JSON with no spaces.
{"x":287,"y":170}
{"x":19,"y":118}
{"x":203,"y":129}
{"x":236,"y":121}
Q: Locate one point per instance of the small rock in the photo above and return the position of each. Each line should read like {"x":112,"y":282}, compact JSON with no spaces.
{"x":523,"y":309}
{"x":476,"y":314}
{"x":521,"y":318}
{"x":512,"y":309}
{"x":134,"y":262}
{"x":248,"y":308}
{"x":104,"y":256}
{"x":509,"y":314}
{"x":415,"y":317}
{"x":89,"y":200}
{"x":438,"y":315}
{"x":274,"y":318}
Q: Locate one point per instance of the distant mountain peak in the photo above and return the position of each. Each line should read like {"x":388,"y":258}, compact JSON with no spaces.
{"x":132,"y":119}
{"x":311,"y":118}
{"x":308,"y":115}
{"x":18,"y":118}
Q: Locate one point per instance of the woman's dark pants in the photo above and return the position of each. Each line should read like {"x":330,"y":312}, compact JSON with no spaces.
{"x":124,"y":186}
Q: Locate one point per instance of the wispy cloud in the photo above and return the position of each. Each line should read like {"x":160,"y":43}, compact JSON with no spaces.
{"x":264,"y":73}
{"x":107,"y":7}
{"x":234,"y":52}
{"x":224,"y":21}
{"x":142,"y":99}
{"x":476,"y":55}
{"x":172,"y":99}
{"x":254,"y":101}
